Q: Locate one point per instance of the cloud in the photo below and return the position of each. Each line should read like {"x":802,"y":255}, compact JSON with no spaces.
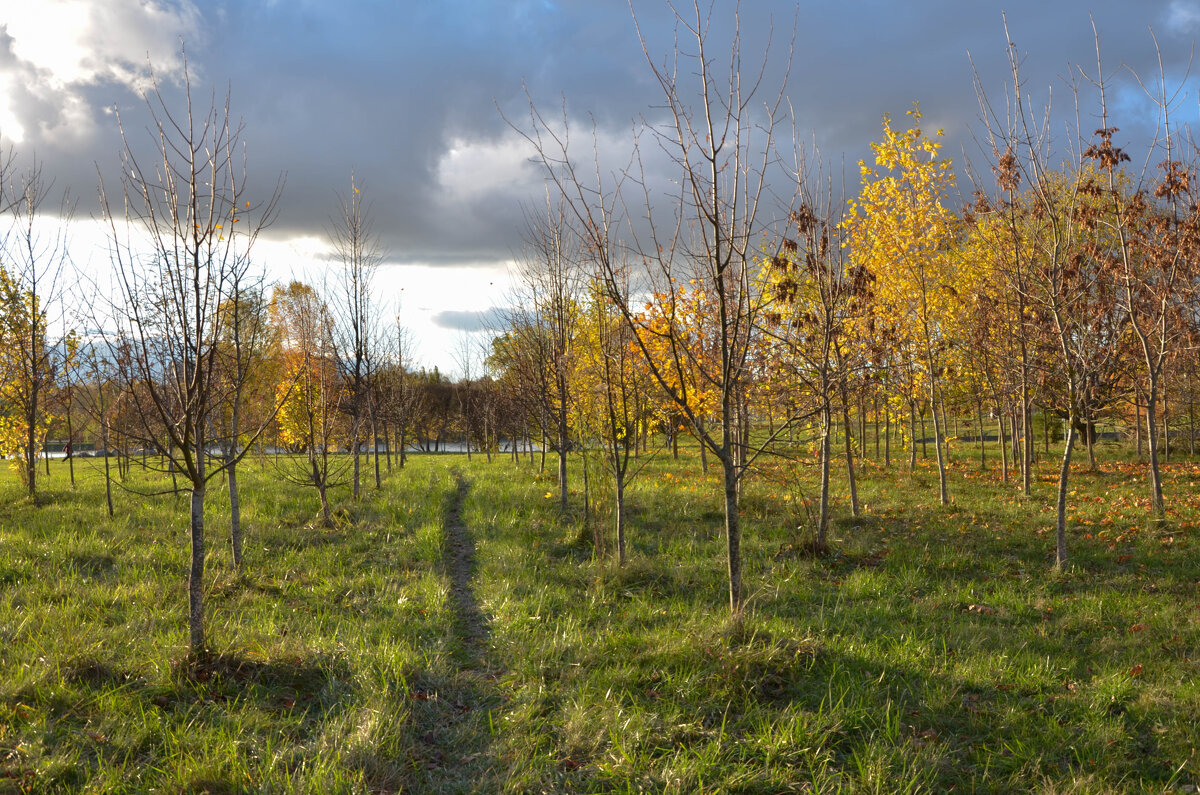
{"x":406,"y":95}
{"x":51,"y":51}
{"x":1183,"y":15}
{"x":458,"y":320}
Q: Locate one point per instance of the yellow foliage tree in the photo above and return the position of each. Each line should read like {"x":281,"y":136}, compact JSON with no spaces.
{"x":901,"y":231}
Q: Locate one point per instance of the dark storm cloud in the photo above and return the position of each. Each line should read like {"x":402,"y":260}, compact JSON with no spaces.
{"x":390,"y":89}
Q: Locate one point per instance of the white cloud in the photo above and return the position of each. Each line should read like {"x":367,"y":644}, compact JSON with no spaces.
{"x":51,"y":50}
{"x":1183,"y":15}
{"x":472,"y":168}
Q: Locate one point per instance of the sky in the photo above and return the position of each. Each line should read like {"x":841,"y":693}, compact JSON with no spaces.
{"x":423,"y":101}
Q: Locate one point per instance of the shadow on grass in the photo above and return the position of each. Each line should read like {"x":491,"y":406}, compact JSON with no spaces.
{"x":925,"y":728}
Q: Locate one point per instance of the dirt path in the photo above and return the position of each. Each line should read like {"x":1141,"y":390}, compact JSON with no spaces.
{"x":452,"y":722}
{"x":458,"y":557}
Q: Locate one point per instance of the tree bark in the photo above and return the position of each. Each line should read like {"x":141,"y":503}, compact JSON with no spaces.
{"x":354,"y":439}
{"x":1156,"y":491}
{"x":619,"y":518}
{"x":912,"y":437}
{"x":733,"y":531}
{"x":850,"y":460}
{"x":1003,"y":439}
{"x":826,"y":449}
{"x":982,"y":442}
{"x":1060,"y":555}
{"x":196,"y":640}
{"x":235,"y":513}
{"x":887,"y":436}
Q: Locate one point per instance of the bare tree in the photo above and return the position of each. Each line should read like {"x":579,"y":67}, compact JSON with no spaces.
{"x":180,"y":231}
{"x":1155,"y":238}
{"x":548,"y":316}
{"x":719,"y":135}
{"x":1069,"y":289}
{"x":357,"y":248}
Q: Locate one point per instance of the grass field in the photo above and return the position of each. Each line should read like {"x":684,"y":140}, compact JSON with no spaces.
{"x":455,"y":634}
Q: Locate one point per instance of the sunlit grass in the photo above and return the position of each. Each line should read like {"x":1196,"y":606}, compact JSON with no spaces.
{"x":933,"y":647}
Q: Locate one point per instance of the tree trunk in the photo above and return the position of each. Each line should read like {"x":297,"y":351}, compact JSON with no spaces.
{"x":943,"y":497}
{"x":387,"y":445}
{"x":196,"y":643}
{"x":235,"y":511}
{"x":850,"y":461}
{"x":563,"y":441}
{"x":31,"y":435}
{"x":733,"y":530}
{"x":235,"y":514}
{"x":375,"y":448}
{"x":1089,"y":438}
{"x":619,"y":518}
{"x":982,"y":442}
{"x":887,"y":435}
{"x":70,"y":445}
{"x":1137,"y":420}
{"x":1166,"y":428}
{"x":319,"y":481}
{"x":912,"y":437}
{"x":875,"y":417}
{"x":823,"y":509}
{"x":1018,"y":448}
{"x":924,"y":444}
{"x":945,"y":427}
{"x":1060,"y":555}
{"x":354,"y":436}
{"x":1027,"y":434}
{"x":1156,"y":492}
{"x":1003,"y":439}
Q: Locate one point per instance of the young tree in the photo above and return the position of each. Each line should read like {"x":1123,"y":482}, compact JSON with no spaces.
{"x":549,"y":275}
{"x":1154,"y":236}
{"x":180,"y":230}
{"x":609,"y":390}
{"x":248,"y":352}
{"x":818,"y":303}
{"x":900,"y":230}
{"x":357,"y":322}
{"x":719,"y":135}
{"x":311,"y":391}
{"x":31,"y":281}
{"x":1069,"y":291}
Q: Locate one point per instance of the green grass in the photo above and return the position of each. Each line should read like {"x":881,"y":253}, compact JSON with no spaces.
{"x":934,"y":648}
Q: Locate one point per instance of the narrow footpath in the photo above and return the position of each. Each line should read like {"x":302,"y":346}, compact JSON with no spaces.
{"x":458,"y":557}
{"x":455,"y":707}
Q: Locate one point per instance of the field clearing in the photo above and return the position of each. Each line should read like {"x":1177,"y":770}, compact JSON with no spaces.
{"x":455,"y":634}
